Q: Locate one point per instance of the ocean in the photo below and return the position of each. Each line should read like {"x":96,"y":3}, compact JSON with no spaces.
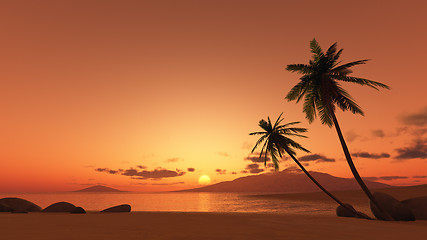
{"x":179,"y":202}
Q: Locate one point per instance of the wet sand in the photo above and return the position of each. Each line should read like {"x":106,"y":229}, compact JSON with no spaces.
{"x":170,"y":225}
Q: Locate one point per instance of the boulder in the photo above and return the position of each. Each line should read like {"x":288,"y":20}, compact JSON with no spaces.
{"x":19,"y":211}
{"x":60,"y":207}
{"x":119,"y":208}
{"x":418,"y":207}
{"x":364,"y":215}
{"x":5,"y":208}
{"x":20,"y":205}
{"x":78,"y":210}
{"x":395,"y":208}
{"x":344,"y":212}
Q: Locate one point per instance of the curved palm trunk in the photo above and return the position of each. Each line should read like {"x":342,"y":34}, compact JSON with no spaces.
{"x":323,"y":189}
{"x":356,"y":175}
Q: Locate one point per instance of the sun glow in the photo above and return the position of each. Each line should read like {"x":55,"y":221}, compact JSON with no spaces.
{"x":204,"y":180}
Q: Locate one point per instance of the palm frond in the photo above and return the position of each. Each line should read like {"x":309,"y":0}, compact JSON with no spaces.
{"x":324,"y":113}
{"x":331,"y":50}
{"x":300,"y":68}
{"x":345,"y":102}
{"x":360,"y":81}
{"x":316,"y":49}
{"x":349,"y":65}
{"x":260,"y":140}
{"x":257,"y":133}
{"x":309,"y":107}
{"x":298,"y":91}
{"x":278,"y":121}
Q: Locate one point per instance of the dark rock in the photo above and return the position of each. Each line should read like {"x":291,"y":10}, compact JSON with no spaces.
{"x":344,"y":212}
{"x":364,"y":215}
{"x":20,"y":205}
{"x":418,"y":207}
{"x":60,"y":207}
{"x":19,"y":211}
{"x":396,"y":209}
{"x":78,"y":210}
{"x":5,"y":208}
{"x":119,"y":208}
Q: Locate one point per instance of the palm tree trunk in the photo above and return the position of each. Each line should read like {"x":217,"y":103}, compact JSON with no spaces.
{"x":356,"y":175}
{"x":324,"y":190}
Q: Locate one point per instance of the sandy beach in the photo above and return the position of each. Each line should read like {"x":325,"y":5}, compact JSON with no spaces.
{"x":170,"y":225}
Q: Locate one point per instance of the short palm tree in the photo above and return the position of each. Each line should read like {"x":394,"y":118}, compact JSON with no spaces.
{"x":321,"y":90}
{"x":277,"y":142}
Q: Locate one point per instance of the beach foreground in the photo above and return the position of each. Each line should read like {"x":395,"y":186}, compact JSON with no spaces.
{"x":178,"y":225}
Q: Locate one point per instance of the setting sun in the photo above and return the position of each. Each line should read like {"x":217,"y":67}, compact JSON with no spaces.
{"x":204,"y":180}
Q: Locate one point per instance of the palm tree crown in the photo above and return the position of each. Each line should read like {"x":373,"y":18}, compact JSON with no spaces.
{"x":320,"y":85}
{"x":276,"y":141}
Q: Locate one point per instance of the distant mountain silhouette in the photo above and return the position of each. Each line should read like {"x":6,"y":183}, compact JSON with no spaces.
{"x":286,"y":181}
{"x":98,"y":188}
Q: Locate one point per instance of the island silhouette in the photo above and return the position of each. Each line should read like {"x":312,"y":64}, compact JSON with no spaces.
{"x":98,"y":188}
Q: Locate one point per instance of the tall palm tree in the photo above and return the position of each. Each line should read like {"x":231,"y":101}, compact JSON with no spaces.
{"x":321,"y":90}
{"x":276,"y":143}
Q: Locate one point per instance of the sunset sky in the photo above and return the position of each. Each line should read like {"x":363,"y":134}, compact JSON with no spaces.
{"x":151,"y":95}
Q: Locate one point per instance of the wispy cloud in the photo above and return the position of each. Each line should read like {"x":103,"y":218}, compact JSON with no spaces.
{"x":224,"y":154}
{"x":157,"y":173}
{"x":254,"y":157}
{"x":378,"y":133}
{"x":419,"y":176}
{"x":167,"y":184}
{"x":417,"y":150}
{"x":252,"y":168}
{"x":370,"y":155}
{"x":175,"y":159}
{"x":220,"y":171}
{"x":191,"y":169}
{"x":416,"y":119}
{"x":386,"y":178}
{"x":351,"y":135}
{"x":315,"y":158}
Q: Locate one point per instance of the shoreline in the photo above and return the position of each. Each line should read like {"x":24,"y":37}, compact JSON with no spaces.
{"x":194,"y":225}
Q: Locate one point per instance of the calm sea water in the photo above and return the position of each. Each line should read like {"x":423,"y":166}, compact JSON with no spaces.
{"x":179,"y":202}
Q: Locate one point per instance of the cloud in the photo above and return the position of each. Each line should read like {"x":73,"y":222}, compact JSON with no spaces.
{"x":416,"y":119}
{"x":157,"y":173}
{"x":386,"y":178}
{"x":163,"y":184}
{"x":419,"y":176}
{"x":221,"y":171}
{"x":315,"y":157}
{"x":234,"y":173}
{"x":254,"y":157}
{"x":418,"y":150}
{"x":141,"y":167}
{"x":224,"y":154}
{"x":107,"y":170}
{"x":176,"y":159}
{"x":246,"y":146}
{"x":350,"y":136}
{"x":270,"y":165}
{"x":378,"y":133}
{"x":370,"y":155}
{"x":191,"y":169}
{"x":252,"y":168}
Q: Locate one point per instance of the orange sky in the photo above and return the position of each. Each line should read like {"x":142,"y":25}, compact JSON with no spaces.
{"x":109,"y":85}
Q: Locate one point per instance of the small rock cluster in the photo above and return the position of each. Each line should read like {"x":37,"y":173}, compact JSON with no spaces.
{"x":19,"y":205}
{"x":407,"y":210}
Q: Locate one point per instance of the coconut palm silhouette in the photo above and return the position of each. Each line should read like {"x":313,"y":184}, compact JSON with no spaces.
{"x":322,"y":93}
{"x":275,"y":142}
